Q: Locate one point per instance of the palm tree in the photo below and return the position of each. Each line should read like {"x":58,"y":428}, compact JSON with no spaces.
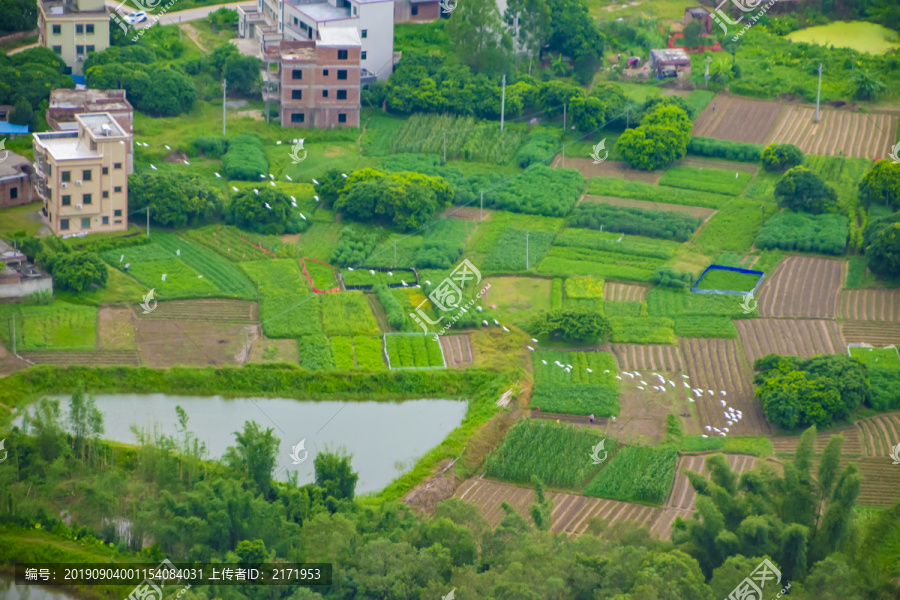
{"x":867,"y":85}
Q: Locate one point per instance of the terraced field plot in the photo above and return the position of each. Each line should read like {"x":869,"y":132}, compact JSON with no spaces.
{"x":870,"y":305}
{"x":880,"y":433}
{"x":715,"y":364}
{"x":796,"y":337}
{"x":881,"y":479}
{"x":229,"y":311}
{"x":853,"y":442}
{"x":877,"y":333}
{"x":88,"y":358}
{"x":650,"y":357}
{"x":624,"y":292}
{"x":694,"y":211}
{"x":838,"y":133}
{"x":572,"y":513}
{"x":457,"y":350}
{"x":802,"y":286}
{"x":737,"y":119}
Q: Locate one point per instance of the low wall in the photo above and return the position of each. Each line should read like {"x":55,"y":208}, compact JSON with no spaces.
{"x":25,"y":287}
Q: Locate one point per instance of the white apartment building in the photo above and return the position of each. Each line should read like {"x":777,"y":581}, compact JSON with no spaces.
{"x":271,"y":21}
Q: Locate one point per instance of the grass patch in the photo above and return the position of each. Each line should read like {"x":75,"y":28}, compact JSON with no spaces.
{"x":20,"y":218}
{"x":720,"y":279}
{"x":556,"y":453}
{"x":642,"y":330}
{"x":757,"y":446}
{"x":488,"y":233}
{"x":639,"y":190}
{"x":734,"y":227}
{"x":637,"y":474}
{"x":56,"y":326}
{"x":517,"y":299}
{"x":578,"y":391}
{"x":716,"y":181}
{"x":883,"y":357}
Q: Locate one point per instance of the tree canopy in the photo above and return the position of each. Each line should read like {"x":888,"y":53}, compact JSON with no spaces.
{"x":802,"y":190}
{"x":571,"y":325}
{"x":175,"y":200}
{"x":883,"y":254}
{"x":881,"y":185}
{"x":479,"y":38}
{"x":76,"y":271}
{"x":404,"y":199}
{"x":248,"y":210}
{"x":781,"y":157}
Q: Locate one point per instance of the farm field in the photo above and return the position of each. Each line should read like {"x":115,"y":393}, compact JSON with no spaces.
{"x":718,"y":181}
{"x":717,"y":365}
{"x":571,"y":513}
{"x":608,"y":168}
{"x":648,"y":357}
{"x":796,"y":337}
{"x":802,"y":287}
{"x":720,"y":279}
{"x":636,"y":474}
{"x":879,"y":434}
{"x":457,"y":351}
{"x":884,"y":357}
{"x":229,"y":311}
{"x":518,"y":299}
{"x":694,"y":211}
{"x":624,"y":292}
{"x":877,"y":333}
{"x":853,"y":441}
{"x":413,"y":351}
{"x":589,"y":387}
{"x":186,"y":342}
{"x":737,"y":119}
{"x":870,"y":305}
{"x":838,"y":133}
{"x":58,"y":326}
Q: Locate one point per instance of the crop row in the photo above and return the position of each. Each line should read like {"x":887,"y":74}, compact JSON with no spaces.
{"x":638,"y":190}
{"x":609,"y":242}
{"x":414,"y":351}
{"x":716,"y":181}
{"x":509,"y":253}
{"x":637,"y":474}
{"x":636,"y":221}
{"x":642,"y":330}
{"x":347,"y":313}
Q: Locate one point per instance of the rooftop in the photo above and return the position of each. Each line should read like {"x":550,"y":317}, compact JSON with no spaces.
{"x":323,"y":12}
{"x":697,"y":11}
{"x":101,"y":125}
{"x":670,"y":54}
{"x":65,"y":148}
{"x":13,"y":165}
{"x":338,"y":37}
{"x":92,"y":99}
{"x":7,"y":128}
{"x":67,"y":7}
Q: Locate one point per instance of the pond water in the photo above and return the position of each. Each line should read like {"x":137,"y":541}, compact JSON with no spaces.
{"x":10,"y":591}
{"x":858,"y":35}
{"x":385,"y":438}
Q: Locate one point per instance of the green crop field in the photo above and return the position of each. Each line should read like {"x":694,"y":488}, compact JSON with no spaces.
{"x":615,"y":242}
{"x":56,"y":326}
{"x":637,"y":474}
{"x":508,"y":253}
{"x":347,"y":313}
{"x":181,"y":281}
{"x":363,"y":276}
{"x":667,"y":302}
{"x":799,"y":232}
{"x":720,"y":279}
{"x":734,"y":227}
{"x":465,"y":138}
{"x":315,"y":352}
{"x":643,"y":330}
{"x":414,"y":350}
{"x":322,"y":275}
{"x":883,"y":357}
{"x":577,"y":391}
{"x":564,"y":261}
{"x":622,"y":308}
{"x":639,"y":190}
{"x":584,"y":287}
{"x":342,"y":352}
{"x":706,"y":180}
{"x":236,"y":245}
{"x":287,"y":309}
{"x":369,"y":353}
{"x":556,"y":453}
{"x":704,"y":327}
{"x":758,"y":446}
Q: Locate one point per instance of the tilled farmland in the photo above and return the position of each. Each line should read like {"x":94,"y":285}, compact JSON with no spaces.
{"x":870,"y":305}
{"x":802,"y":286}
{"x":659,"y":357}
{"x":795,"y":337}
{"x":838,"y":132}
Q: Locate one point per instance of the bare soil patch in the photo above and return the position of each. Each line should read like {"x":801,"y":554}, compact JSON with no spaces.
{"x":168,"y":343}
{"x":115,"y":328}
{"x":608,"y":168}
{"x":737,"y":119}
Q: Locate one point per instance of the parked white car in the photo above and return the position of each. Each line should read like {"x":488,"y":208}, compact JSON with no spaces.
{"x":136,"y":17}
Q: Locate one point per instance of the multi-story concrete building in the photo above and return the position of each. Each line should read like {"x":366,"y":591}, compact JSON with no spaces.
{"x":15,"y":180}
{"x":272,"y":21}
{"x":73,"y":29}
{"x":417,"y":11}
{"x":81,"y":176}
{"x":317,"y":83}
{"x":65,"y":104}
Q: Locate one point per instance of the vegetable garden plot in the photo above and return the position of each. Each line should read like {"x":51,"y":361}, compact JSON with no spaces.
{"x":365,"y":278}
{"x":717,"y":279}
{"x":413,"y":351}
{"x":636,"y":221}
{"x":800,"y":232}
{"x":588,"y":387}
{"x":347,"y":313}
{"x":802,"y":286}
{"x":320,"y":276}
{"x":508,"y":254}
{"x":730,"y":183}
{"x":637,"y":474}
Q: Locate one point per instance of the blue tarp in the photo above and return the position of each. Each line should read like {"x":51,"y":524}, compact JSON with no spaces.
{"x":10,"y":129}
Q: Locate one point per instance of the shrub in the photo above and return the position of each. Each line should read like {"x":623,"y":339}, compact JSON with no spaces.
{"x":570,"y":325}
{"x":798,"y":232}
{"x":539,"y":148}
{"x":245,"y":159}
{"x":211,"y":146}
{"x":883,"y":254}
{"x":269,"y":212}
{"x":77,"y":271}
{"x":781,"y":157}
{"x":669,"y":277}
{"x":802,"y":190}
{"x":636,"y":221}
{"x":175,"y":199}
{"x":347,"y":313}
{"x":702,"y":146}
{"x":404,"y":199}
{"x":885,"y":384}
{"x":540,"y":190}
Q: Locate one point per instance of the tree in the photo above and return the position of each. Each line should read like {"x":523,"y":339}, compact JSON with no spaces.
{"x":77,"y":271}
{"x":252,"y":552}
{"x":653,"y":147}
{"x":335,"y":475}
{"x":175,"y":200}
{"x":670,"y":116}
{"x":837,"y":523}
{"x":802,"y":190}
{"x":46,"y":427}
{"x":267,"y":210}
{"x":834,"y":579}
{"x":828,"y":469}
{"x":23,"y":114}
{"x":534,"y":28}
{"x":541,"y":510}
{"x":173,"y":93}
{"x":329,"y":187}
{"x":574,"y":33}
{"x":571,"y":325}
{"x":85,"y":421}
{"x":866,"y":85}
{"x":883,"y":254}
{"x":732,"y":572}
{"x":692,"y":33}
{"x":18,"y":15}
{"x":478,"y":36}
{"x":587,"y":113}
{"x":243,"y":74}
{"x":881,"y":185}
{"x":254,"y":455}
{"x":794,"y":541}
{"x":552,"y":95}
{"x":672,"y":576}
{"x":405,"y":199}
{"x":780,"y":157}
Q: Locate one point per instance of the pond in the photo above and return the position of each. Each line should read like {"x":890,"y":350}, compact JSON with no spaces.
{"x":385,"y":438}
{"x":858,"y":35}
{"x":10,"y":591}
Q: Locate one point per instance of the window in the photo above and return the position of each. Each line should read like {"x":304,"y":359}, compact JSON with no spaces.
{"x":85,"y":222}
{"x":325,"y":72}
{"x":86,"y":175}
{"x":49,"y":169}
{"x":13,"y":193}
{"x":342,"y":118}
{"x":362,"y":55}
{"x":414,"y":11}
{"x":298,"y":118}
{"x":118,"y":189}
{"x":106,"y":170}
{"x":57,"y":49}
{"x":57,"y":29}
{"x":342,"y":55}
{"x":86,"y":199}
{"x":79,"y":49}
{"x":118,"y":221}
{"x":89,"y":28}
{"x":67,"y":200}
{"x":365,"y":33}
{"x":296,"y":94}
{"x":354,"y":11}
{"x":79,"y":29}
{"x":90,"y":48}
{"x":66,"y":175}
{"x":117,"y":213}
{"x":63,"y":224}
{"x":105,"y":194}
{"x":342,"y":74}
{"x":117,"y":165}
{"x":297,"y":74}
{"x":106,"y":220}
{"x":324,"y":93}
{"x":342,"y":94}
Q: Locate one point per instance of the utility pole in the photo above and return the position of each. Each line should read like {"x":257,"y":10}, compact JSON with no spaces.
{"x":481,"y":216}
{"x":394,"y":266}
{"x":527,"y":262}
{"x":502,"y":103}
{"x":225,"y":87}
{"x":819,"y":92}
{"x":445,"y":147}
{"x":148,"y":220}
{"x":706,"y":74}
{"x":564,"y":119}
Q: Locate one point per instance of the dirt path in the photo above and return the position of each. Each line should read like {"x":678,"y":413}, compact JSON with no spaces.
{"x":194,"y":36}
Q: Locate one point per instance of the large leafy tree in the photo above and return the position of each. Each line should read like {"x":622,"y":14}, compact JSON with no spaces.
{"x":77,"y":271}
{"x":478,"y":36}
{"x":881,"y":185}
{"x":780,"y":157}
{"x":883,"y":254}
{"x":18,"y":15}
{"x":267,"y":210}
{"x":254,"y":455}
{"x":404,"y":199}
{"x":802,"y":190}
{"x":335,"y":475}
{"x":175,"y":200}
{"x":173,"y":93}
{"x":534,"y":26}
{"x":652,"y":147}
{"x":575,"y":34}
{"x":571,"y":325}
